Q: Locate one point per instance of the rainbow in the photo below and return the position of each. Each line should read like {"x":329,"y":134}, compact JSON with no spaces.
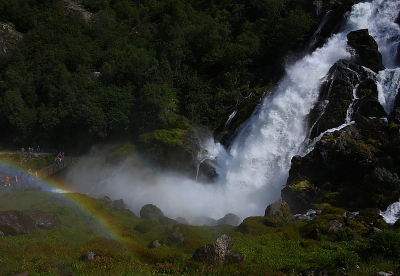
{"x":100,"y":221}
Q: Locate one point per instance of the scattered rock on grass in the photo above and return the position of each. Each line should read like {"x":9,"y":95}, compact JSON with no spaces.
{"x":89,"y":256}
{"x":219,"y":252}
{"x":279,"y":210}
{"x":154,"y":244}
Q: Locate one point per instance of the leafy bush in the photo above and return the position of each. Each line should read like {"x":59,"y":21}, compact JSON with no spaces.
{"x":384,"y":177}
{"x":346,"y":259}
{"x":385,"y":244}
{"x":345,"y":234}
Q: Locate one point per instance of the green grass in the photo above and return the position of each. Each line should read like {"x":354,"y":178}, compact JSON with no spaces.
{"x":266,"y":250}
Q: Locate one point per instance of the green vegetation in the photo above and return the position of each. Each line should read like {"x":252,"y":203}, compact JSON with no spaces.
{"x":280,"y":250}
{"x":147,"y":70}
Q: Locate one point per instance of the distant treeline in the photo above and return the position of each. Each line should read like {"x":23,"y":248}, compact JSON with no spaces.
{"x":143,"y":70}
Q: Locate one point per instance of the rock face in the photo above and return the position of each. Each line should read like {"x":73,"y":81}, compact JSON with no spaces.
{"x":151,"y":211}
{"x":356,"y":166}
{"x":8,"y":36}
{"x":336,"y":95}
{"x":44,"y":220}
{"x":15,"y":222}
{"x":366,"y":50}
{"x":71,"y":5}
{"x":219,"y":252}
{"x":279,"y":210}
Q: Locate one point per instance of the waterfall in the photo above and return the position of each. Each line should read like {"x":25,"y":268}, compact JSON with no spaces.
{"x":254,"y":169}
{"x":259,"y":158}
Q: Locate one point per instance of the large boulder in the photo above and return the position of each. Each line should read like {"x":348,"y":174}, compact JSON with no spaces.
{"x":15,"y":222}
{"x":44,"y":220}
{"x":279,"y":210}
{"x":219,"y":252}
{"x":366,"y":50}
{"x":151,"y":211}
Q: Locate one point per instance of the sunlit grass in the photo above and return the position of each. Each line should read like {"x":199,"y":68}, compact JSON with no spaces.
{"x":86,"y":226}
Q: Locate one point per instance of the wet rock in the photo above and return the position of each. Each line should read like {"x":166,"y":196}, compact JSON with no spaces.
{"x":182,"y":220}
{"x":368,"y":104}
{"x":44,"y":220}
{"x":15,"y":222}
{"x":89,"y":256}
{"x":207,"y":171}
{"x":229,"y":219}
{"x":219,"y":252}
{"x":366,"y":50}
{"x":279,"y":210}
{"x":151,"y":211}
{"x":335,"y":96}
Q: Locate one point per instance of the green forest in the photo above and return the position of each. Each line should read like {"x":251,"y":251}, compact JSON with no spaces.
{"x":141,"y":71}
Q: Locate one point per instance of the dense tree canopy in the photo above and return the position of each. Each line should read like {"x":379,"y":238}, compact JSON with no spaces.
{"x":137,"y":67}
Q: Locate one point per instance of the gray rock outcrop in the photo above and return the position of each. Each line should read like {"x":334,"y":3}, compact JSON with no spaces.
{"x":44,"y":220}
{"x":15,"y":222}
{"x":219,"y":252}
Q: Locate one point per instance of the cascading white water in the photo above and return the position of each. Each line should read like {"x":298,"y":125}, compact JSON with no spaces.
{"x":260,"y":156}
{"x":255,"y":167}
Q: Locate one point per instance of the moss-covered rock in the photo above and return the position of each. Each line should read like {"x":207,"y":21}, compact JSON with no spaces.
{"x":366,"y":50}
{"x":279,"y":210}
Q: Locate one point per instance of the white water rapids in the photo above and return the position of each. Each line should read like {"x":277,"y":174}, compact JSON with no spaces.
{"x":255,"y":167}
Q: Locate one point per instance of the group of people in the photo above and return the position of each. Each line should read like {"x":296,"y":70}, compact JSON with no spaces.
{"x":30,"y":149}
{"x":59,"y":158}
{"x":25,"y":180}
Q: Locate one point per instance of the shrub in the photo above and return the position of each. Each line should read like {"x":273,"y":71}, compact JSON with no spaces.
{"x":344,"y":234}
{"x":385,"y":244}
{"x":384,"y":177}
{"x":346,"y":259}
